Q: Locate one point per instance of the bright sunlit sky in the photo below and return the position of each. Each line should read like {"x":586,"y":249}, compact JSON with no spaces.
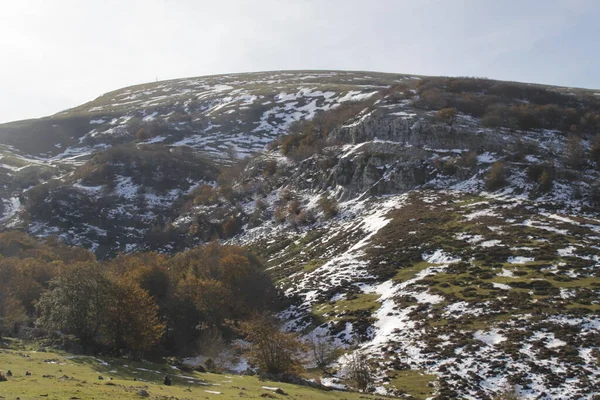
{"x":60,"y":53}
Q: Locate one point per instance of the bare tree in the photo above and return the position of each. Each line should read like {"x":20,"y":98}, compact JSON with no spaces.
{"x":357,"y":371}
{"x":322,"y":348}
{"x":211,"y":344}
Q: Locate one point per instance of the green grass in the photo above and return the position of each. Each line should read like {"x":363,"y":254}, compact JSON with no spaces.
{"x":415,"y":383}
{"x":123,"y":379}
{"x":357,"y":303}
{"x":313,"y":265}
{"x":408,"y":273}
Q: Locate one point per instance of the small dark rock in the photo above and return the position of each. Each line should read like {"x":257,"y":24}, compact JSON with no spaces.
{"x":143,"y":393}
{"x":9,"y":373}
{"x":200,"y":368}
{"x":27,"y":373}
{"x":100,"y":378}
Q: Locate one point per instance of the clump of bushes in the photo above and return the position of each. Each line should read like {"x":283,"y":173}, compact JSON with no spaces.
{"x":289,"y":208}
{"x":543,"y":175}
{"x":155,"y":166}
{"x":510,"y":104}
{"x":205,"y":195}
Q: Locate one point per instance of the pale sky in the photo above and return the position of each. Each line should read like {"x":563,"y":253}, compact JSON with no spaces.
{"x":60,"y":53}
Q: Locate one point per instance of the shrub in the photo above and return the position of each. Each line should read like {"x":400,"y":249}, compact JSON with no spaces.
{"x":543,"y":175}
{"x":468,"y":160}
{"x":595,"y":195}
{"x":447,"y":115}
{"x":304,"y":217}
{"x":280,"y":214}
{"x":590,"y":122}
{"x":294,"y":208}
{"x":496,"y":178}
{"x":329,"y":206}
{"x":270,"y":168}
{"x":496,"y":115}
{"x":205,"y":195}
{"x":287,"y":195}
{"x":231,"y":227}
{"x":212,"y":344}
{"x":449,"y":167}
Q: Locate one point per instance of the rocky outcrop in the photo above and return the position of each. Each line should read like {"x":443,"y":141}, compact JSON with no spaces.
{"x":411,"y":127}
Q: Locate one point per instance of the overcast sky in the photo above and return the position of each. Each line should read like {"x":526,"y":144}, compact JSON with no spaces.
{"x":60,"y":53}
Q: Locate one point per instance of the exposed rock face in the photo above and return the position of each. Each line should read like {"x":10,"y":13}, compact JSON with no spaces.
{"x":403,"y":125}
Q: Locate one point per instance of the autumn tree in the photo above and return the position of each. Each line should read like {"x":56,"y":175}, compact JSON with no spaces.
{"x":272,"y":350}
{"x":132,"y":321}
{"x":12,"y":312}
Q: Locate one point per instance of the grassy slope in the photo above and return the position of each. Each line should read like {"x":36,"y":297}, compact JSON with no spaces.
{"x":50,"y":371}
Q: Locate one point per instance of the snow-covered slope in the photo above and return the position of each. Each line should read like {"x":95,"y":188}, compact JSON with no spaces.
{"x":239,"y":111}
{"x":481,"y":292}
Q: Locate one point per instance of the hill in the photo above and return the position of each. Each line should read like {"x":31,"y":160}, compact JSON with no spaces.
{"x":446,"y":226}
